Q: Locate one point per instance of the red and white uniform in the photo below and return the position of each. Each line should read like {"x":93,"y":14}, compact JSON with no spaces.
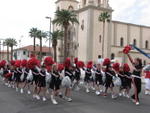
{"x":147,"y":80}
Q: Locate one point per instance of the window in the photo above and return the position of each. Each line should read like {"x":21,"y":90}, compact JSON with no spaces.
{"x":100,"y":38}
{"x":112,"y":56}
{"x":121,"y":42}
{"x":24,"y":52}
{"x":84,"y":2}
{"x":146,"y":44}
{"x":70,"y":8}
{"x":144,"y":62}
{"x":82,"y":25}
{"x":98,"y":1}
{"x":134,"y":42}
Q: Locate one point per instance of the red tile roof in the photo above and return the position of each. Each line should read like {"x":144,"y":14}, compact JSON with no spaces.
{"x":30,"y":48}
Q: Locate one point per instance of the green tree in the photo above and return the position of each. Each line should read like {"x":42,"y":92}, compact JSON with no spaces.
{"x":104,"y":17}
{"x":7,"y":43}
{"x":12,"y":43}
{"x":55,"y":36}
{"x":40,"y":36}
{"x":65,"y":18}
{"x":33,"y":34}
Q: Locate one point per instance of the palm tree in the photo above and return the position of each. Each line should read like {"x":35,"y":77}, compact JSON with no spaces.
{"x":12,"y":43}
{"x":65,"y":18}
{"x":103,"y":17}
{"x":40,"y":36}
{"x":56,"y":35}
{"x":33,"y":34}
{"x":7,"y":43}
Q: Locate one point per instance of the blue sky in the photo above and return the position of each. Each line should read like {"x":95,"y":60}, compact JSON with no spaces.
{"x":18,"y":16}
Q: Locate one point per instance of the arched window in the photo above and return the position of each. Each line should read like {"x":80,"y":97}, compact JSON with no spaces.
{"x":112,"y":56}
{"x":84,"y":2}
{"x":100,"y":38}
{"x":134,"y":42}
{"x":121,"y":42}
{"x":70,"y":8}
{"x":146,"y":44}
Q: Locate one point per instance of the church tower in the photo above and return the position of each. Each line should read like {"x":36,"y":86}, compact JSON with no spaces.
{"x":90,"y":29}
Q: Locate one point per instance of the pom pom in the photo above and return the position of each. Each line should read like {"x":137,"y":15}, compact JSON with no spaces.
{"x":126,"y":67}
{"x":32,"y":63}
{"x":76,"y":60}
{"x":106,"y":62}
{"x":12,"y":62}
{"x":116,"y":66}
{"x":2,"y":63}
{"x":80,"y":64}
{"x":17,"y":63}
{"x":90,"y":64}
{"x":48,"y":61}
{"x":60,"y":67}
{"x":32,"y":56}
{"x":24,"y":63}
{"x":127,"y":49}
{"x":67,"y":62}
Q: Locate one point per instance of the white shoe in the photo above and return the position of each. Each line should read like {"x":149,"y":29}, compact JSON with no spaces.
{"x":93,"y":88}
{"x":29,"y":92}
{"x":6,"y":84}
{"x":137,"y":103}
{"x":69,"y":99}
{"x":37,"y":97}
{"x":127,"y":96}
{"x":97,"y":93}
{"x":13,"y":86}
{"x":101,"y":91}
{"x":9,"y":85}
{"x":44,"y":99}
{"x":87,"y":91}
{"x":21,"y":91}
{"x":113,"y":97}
{"x":124,"y":94}
{"x":146,"y":92}
{"x":120,"y":94}
{"x":53,"y":100}
{"x":17,"y":89}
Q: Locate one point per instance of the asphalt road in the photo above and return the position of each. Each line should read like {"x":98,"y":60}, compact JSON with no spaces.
{"x":14,"y":102}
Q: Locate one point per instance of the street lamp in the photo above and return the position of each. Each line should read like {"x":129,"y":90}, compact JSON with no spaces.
{"x":49,"y":33}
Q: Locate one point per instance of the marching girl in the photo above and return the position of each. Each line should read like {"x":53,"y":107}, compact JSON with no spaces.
{"x":55,"y":83}
{"x":109,"y":73}
{"x":42,"y":83}
{"x":88,"y":74}
{"x":127,"y":73}
{"x":5,"y":72}
{"x":35,"y":81}
{"x":98,"y":79}
{"x":137,"y":65}
{"x":147,"y":82}
{"x":17,"y":74}
{"x":25,"y":81}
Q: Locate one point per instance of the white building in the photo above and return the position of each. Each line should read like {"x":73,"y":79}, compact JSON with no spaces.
{"x":88,"y":34}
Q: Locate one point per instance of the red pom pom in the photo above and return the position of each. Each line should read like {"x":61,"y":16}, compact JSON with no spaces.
{"x":17,"y":63}
{"x":60,"y":67}
{"x":8,"y":75}
{"x":116,"y":66}
{"x":48,"y":61}
{"x":12,"y":62}
{"x":80,"y":64}
{"x":67,"y":62}
{"x":127,"y":49}
{"x":126,"y":68}
{"x":106,"y":62}
{"x":32,"y":63}
{"x":2,"y":63}
{"x":90,"y":64}
{"x":75,"y":60}
{"x":24,"y":63}
{"x":32,"y":56}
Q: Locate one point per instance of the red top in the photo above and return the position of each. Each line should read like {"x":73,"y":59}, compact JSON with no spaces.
{"x":147,"y":74}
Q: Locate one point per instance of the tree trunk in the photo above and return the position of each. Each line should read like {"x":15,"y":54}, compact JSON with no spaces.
{"x":34,"y":45}
{"x":55,"y":53}
{"x":65,"y":42}
{"x":40,"y":48}
{"x":103,"y":39}
{"x":7,"y":53}
{"x":12,"y":53}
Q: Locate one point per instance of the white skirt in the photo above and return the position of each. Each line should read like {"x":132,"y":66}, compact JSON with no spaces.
{"x":147,"y":83}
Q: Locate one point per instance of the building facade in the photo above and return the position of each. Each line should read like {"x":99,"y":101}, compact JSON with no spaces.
{"x":87,"y":36}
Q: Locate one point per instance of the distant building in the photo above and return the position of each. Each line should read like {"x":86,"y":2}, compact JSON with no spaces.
{"x":3,"y":55}
{"x":25,"y":52}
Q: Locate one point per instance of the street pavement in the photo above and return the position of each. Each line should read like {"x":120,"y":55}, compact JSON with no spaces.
{"x":14,"y":102}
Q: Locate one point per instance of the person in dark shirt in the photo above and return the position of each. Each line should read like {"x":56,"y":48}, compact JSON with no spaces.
{"x":136,"y":79}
